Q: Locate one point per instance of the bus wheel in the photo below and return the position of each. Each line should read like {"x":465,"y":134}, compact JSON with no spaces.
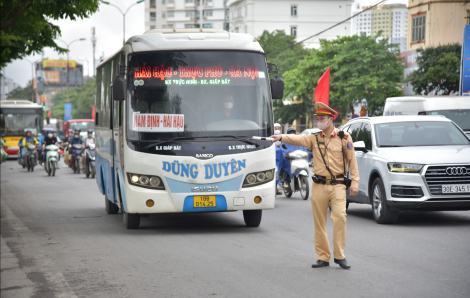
{"x":131,"y":221}
{"x":111,"y":208}
{"x":252,"y":217}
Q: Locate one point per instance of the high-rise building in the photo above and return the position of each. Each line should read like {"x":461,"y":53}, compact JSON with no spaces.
{"x":391,"y":19}
{"x":6,"y":86}
{"x":169,"y":14}
{"x":302,"y":18}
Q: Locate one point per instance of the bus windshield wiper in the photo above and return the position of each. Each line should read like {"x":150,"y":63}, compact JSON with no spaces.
{"x":171,"y":140}
{"x":240,"y":139}
{"x":386,"y":146}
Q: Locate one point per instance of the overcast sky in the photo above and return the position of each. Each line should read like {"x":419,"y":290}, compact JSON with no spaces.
{"x":108,"y":24}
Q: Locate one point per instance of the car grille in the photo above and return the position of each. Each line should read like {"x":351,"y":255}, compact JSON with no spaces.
{"x":436,"y":176}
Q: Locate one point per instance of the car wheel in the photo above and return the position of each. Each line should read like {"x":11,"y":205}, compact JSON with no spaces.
{"x":380,"y":210}
{"x":252,"y":217}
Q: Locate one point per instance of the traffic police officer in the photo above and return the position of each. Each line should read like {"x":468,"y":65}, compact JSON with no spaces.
{"x":332,"y":154}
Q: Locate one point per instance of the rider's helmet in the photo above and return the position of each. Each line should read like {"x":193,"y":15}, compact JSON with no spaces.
{"x":291,"y":130}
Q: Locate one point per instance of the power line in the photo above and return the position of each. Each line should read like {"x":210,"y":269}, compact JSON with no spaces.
{"x":335,"y":25}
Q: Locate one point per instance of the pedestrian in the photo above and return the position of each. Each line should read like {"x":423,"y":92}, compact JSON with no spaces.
{"x":333,"y":153}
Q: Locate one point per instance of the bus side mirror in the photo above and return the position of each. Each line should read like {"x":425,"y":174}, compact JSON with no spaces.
{"x":277,"y":87}
{"x":119,"y":88}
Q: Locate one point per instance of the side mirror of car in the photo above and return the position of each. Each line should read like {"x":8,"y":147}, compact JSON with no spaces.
{"x":360,"y":146}
{"x":119,"y":88}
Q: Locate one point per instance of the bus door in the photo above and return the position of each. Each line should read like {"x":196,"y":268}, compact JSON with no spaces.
{"x":117,"y":135}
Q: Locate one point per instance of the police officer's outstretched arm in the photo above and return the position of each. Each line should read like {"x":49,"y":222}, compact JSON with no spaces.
{"x":296,"y":140}
{"x":351,"y":160}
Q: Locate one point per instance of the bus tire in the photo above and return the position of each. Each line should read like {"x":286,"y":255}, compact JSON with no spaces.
{"x":252,"y":217}
{"x":131,"y":220}
{"x":111,"y":208}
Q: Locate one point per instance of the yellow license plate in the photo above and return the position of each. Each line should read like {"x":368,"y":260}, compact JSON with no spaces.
{"x":204,"y":201}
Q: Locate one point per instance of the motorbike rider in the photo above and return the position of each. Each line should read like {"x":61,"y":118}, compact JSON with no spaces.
{"x":286,"y":176}
{"x":49,"y":140}
{"x":28,"y":139}
{"x":74,"y":141}
{"x":88,"y":140}
{"x":277,"y":131}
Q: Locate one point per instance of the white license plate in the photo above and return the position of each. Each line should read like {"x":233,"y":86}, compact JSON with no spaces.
{"x":456,"y":188}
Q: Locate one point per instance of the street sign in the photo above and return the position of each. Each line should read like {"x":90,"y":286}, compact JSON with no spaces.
{"x":465,"y":62}
{"x":67,"y":111}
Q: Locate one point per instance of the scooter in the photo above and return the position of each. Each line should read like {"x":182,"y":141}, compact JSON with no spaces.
{"x":89,"y":168}
{"x":52,"y":158}
{"x":293,"y":161}
{"x":77,"y":151}
{"x":30,"y":157}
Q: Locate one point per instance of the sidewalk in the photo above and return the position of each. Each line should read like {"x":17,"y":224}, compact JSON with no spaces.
{"x":14,"y":281}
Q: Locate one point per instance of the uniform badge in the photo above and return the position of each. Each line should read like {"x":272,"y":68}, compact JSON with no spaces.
{"x":349,"y":145}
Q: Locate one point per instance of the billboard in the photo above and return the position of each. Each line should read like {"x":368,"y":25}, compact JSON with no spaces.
{"x":52,"y":76}
{"x":58,"y":63}
{"x":67,"y":111}
{"x":465,"y":62}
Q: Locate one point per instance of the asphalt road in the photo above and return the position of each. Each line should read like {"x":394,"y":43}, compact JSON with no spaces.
{"x":57,"y":241}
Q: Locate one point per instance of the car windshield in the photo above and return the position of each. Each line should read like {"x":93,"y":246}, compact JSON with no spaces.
{"x":82,"y":126}
{"x":419,"y":133}
{"x":460,"y":117}
{"x":197,"y":93}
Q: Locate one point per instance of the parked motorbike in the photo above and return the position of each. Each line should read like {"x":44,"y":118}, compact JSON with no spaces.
{"x":52,"y":158}
{"x":30,"y":157}
{"x":3,"y":154}
{"x":89,"y":168}
{"x":293,"y":160}
{"x":77,"y":151}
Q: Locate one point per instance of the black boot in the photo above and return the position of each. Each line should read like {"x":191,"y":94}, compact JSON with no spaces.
{"x":320,"y":263}
{"x":343,"y":263}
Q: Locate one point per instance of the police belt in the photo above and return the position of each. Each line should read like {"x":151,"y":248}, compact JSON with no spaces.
{"x":327,"y":180}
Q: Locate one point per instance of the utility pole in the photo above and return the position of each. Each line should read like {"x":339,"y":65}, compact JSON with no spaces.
{"x":93,"y":42}
{"x":123,"y":17}
{"x":32,"y":80}
{"x":68,"y":62}
{"x":225,"y":14}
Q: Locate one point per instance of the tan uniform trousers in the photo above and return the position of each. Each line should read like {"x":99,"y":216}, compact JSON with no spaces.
{"x":321,"y":196}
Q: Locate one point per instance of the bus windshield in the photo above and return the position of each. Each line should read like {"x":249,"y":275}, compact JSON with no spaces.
{"x":197,"y":93}
{"x":82,"y":126}
{"x":15,"y":123}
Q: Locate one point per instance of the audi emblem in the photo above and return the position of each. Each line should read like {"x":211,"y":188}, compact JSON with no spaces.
{"x":456,"y":171}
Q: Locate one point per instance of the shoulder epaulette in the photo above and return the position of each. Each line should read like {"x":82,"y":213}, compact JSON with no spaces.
{"x":346,"y":135}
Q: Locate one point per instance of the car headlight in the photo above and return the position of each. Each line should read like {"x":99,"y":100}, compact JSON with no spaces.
{"x":147,"y":181}
{"x":404,"y":167}
{"x":258,"y":178}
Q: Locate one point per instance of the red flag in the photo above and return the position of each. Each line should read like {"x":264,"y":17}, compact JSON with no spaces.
{"x":93,"y":113}
{"x":322,"y":92}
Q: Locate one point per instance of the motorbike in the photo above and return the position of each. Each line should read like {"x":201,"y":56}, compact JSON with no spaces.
{"x":293,"y":161}
{"x":30,"y":157}
{"x":3,"y":154}
{"x":89,"y":168}
{"x":76,"y":158}
{"x":52,"y":158}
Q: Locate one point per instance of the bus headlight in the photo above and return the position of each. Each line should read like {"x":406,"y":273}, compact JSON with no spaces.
{"x":146,"y":181}
{"x":258,"y":178}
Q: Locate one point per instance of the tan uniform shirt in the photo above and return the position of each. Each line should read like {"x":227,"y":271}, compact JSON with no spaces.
{"x":333,"y":154}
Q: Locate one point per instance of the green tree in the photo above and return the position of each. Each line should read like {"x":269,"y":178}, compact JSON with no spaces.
{"x":25,"y":28}
{"x":362,"y":67}
{"x":438,"y":70}
{"x":20,"y":92}
{"x":285,"y":60}
{"x":82,"y":100}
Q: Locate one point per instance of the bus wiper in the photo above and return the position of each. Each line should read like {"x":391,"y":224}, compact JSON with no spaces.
{"x":240,"y":139}
{"x":386,"y":146}
{"x":172,"y":139}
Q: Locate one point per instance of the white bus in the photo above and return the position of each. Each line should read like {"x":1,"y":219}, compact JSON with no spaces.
{"x":175,"y":114}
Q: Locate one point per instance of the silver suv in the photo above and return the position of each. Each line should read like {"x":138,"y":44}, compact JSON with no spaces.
{"x":410,"y":163}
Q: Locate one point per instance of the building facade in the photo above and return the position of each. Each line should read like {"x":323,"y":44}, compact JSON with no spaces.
{"x":301,"y":18}
{"x":170,"y":14}
{"x":6,"y":86}
{"x":391,"y":19}
{"x":434,"y":23}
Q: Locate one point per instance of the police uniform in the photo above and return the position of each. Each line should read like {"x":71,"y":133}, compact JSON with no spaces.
{"x":328,"y":193}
